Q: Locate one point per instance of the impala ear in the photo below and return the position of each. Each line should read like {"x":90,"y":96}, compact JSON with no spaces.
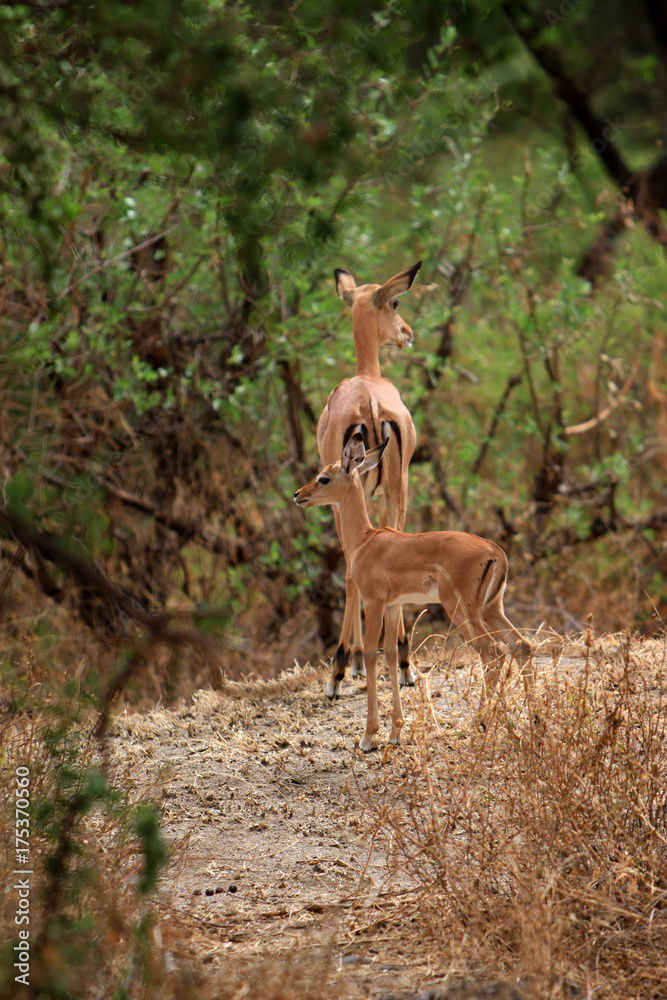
{"x":345,"y":285}
{"x":354,"y":453}
{"x":395,"y":286}
{"x":373,"y":457}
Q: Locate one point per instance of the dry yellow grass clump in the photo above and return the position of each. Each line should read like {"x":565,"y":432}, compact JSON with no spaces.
{"x":541,"y":847}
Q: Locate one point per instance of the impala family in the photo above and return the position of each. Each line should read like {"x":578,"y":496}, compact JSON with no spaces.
{"x":363,"y":403}
{"x":390,"y":568}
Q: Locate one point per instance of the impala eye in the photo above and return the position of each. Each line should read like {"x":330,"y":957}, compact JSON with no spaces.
{"x":395,"y":303}
{"x":324,"y":480}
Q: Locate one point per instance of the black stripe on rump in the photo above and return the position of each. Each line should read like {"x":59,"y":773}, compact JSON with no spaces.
{"x":397,"y":434}
{"x":379,"y":478}
{"x":500,"y":583}
{"x":488,"y":566}
{"x":377,"y":441}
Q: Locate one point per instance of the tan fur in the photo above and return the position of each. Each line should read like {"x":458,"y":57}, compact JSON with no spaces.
{"x":465,"y":573}
{"x":367,"y":400}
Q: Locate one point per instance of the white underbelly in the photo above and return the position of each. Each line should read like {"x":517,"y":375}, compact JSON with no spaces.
{"x":429,"y":596}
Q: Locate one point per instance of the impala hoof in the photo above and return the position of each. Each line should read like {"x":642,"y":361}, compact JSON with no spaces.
{"x":358,"y":665}
{"x":406,"y":677}
{"x":395,"y":733}
{"x":332,"y":690}
{"x":482,"y":718}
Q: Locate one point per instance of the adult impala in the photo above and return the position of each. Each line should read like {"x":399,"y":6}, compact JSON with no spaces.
{"x":365,"y":402}
{"x":464,"y":573}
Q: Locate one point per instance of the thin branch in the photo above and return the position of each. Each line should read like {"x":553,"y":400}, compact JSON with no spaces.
{"x":589,"y":425}
{"x":440,"y":474}
{"x":459,"y":282}
{"x":513,"y":381}
{"x":291,"y":379}
{"x":526,"y":360}
{"x":103,"y":265}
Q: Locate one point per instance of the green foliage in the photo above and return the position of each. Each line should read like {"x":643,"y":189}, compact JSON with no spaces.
{"x":147,"y":827}
{"x":81,"y":822}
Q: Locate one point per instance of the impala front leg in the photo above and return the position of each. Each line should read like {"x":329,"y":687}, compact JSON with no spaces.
{"x":351,"y":620}
{"x":391,"y":629}
{"x":373,"y":629}
{"x":395,"y":517}
{"x":351,"y":617}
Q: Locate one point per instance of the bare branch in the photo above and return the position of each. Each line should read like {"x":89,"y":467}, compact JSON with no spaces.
{"x":589,"y":425}
{"x":513,"y":381}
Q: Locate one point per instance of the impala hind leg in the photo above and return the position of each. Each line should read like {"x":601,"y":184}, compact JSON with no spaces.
{"x":491,"y":655}
{"x":473,"y":629}
{"x":498,"y":624}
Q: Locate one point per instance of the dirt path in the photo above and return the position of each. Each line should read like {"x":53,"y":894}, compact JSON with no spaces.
{"x":260,"y":787}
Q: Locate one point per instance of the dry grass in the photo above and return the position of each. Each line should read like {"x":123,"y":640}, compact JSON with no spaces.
{"x":541,"y":849}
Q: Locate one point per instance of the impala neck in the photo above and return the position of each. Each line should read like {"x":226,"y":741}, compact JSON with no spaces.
{"x":354,"y":521}
{"x":367,"y":349}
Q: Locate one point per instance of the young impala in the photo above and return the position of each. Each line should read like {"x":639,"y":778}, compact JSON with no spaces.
{"x":364,"y":402}
{"x":464,"y":573}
